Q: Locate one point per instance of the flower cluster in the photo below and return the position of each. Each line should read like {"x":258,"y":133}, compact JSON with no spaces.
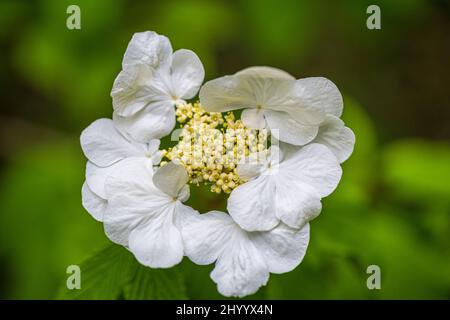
{"x":276,"y":163}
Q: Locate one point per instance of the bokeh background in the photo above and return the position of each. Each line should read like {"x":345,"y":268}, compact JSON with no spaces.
{"x":391,"y":209}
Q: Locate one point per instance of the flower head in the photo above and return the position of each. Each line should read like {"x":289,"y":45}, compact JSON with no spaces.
{"x":276,"y":161}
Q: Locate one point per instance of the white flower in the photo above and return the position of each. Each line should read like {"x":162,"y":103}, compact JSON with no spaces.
{"x":105,"y":147}
{"x":153,"y":79}
{"x":243,"y":259}
{"x":291,"y":109}
{"x":143,"y":209}
{"x":286,"y":188}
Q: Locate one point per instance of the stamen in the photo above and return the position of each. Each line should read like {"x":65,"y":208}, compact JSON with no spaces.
{"x":211,"y":145}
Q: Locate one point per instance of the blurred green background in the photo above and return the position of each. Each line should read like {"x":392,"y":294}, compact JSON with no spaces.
{"x":391,"y":209}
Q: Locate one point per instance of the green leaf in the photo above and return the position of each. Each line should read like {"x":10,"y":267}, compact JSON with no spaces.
{"x":114,"y":273}
{"x":158,"y":284}
{"x":104,"y":275}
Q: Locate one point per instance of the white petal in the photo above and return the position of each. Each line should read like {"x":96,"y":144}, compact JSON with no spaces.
{"x":183,"y":214}
{"x":132,"y":177}
{"x":314,"y":165}
{"x":253,"y":118}
{"x":264,"y":71}
{"x":275,"y":156}
{"x":148,"y":48}
{"x":96,"y":177}
{"x":132,"y":90}
{"x":104,"y":145}
{"x":288,"y":96}
{"x":252,"y":204}
{"x":336,"y":136}
{"x":283,"y":248}
{"x":95,"y":205}
{"x":156,"y":242}
{"x":240,"y":269}
{"x":297,"y":202}
{"x":320,"y":93}
{"x":171,"y":178}
{"x":205,"y":236}
{"x":247,"y":91}
{"x":187,"y":73}
{"x":254,"y":165}
{"x":287,"y":149}
{"x":247,"y":171}
{"x":153,"y":152}
{"x":153,"y":146}
{"x":225,"y":94}
{"x":184,"y":194}
{"x":132,"y":198}
{"x":268,"y":92}
{"x":155,"y":121}
{"x":286,"y":129}
{"x":308,"y":117}
{"x":157,"y":157}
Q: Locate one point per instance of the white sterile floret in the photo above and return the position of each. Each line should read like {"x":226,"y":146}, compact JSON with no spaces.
{"x":271,"y":98}
{"x":105,"y":147}
{"x":143,"y":209}
{"x":284,"y":188}
{"x":153,"y":79}
{"x":243,"y":259}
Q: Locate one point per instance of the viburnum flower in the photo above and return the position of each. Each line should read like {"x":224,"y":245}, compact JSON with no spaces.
{"x":153,"y":79}
{"x":273,"y":99}
{"x":143,"y":208}
{"x":105,"y":147}
{"x":276,"y":163}
{"x":243,"y":259}
{"x":287,"y":189}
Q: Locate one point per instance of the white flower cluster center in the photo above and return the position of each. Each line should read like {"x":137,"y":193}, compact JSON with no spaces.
{"x":210,"y":146}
